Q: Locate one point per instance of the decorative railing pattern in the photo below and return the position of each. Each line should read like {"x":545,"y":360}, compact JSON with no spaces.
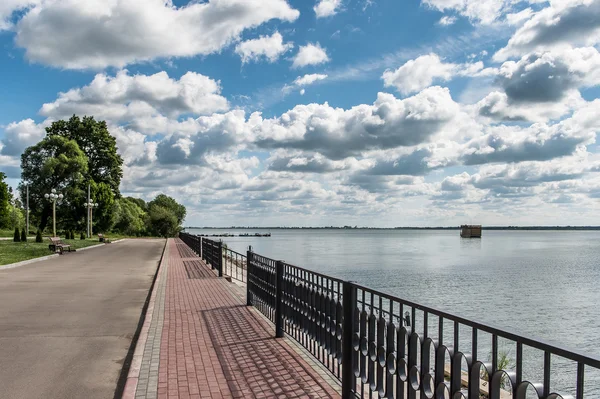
{"x":234,"y":264}
{"x":379,"y":345}
{"x":212,"y":253}
{"x":313,"y":314}
{"x":262,"y":284}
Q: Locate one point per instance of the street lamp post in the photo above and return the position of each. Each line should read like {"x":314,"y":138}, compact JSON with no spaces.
{"x":53,"y":197}
{"x":90,"y":206}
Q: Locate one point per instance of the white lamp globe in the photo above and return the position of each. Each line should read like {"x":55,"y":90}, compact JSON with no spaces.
{"x":96,"y":204}
{"x":53,"y":190}
{"x":60,"y":196}
{"x":46,"y":196}
{"x":86,"y":204}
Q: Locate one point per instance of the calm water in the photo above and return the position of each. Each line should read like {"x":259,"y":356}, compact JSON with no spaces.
{"x":545,"y":284}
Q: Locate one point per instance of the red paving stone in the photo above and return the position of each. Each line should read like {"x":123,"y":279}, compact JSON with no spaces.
{"x":213,"y":346}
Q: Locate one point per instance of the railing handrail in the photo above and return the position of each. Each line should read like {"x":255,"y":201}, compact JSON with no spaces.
{"x":545,"y":345}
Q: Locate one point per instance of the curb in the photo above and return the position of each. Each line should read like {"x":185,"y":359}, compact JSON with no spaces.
{"x":136,"y":363}
{"x":27,"y":262}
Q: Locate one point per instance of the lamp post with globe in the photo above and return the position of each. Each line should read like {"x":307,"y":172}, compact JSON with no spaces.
{"x":52,"y":196}
{"x":90,"y":206}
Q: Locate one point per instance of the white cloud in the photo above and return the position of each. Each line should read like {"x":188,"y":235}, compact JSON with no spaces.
{"x":20,"y":135}
{"x":327,"y":8}
{"x":339,"y":133}
{"x":126,"y":96}
{"x":543,"y":85}
{"x":311,"y":54}
{"x":562,"y":23}
{"x":309,"y":79}
{"x":120,"y":32}
{"x":447,"y":20}
{"x":268,"y":47}
{"x":481,"y":11}
{"x":423,"y":71}
{"x":9,"y":7}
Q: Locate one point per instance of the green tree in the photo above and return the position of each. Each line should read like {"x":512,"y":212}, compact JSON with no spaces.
{"x":165,"y":216}
{"x":54,"y":163}
{"x":169,"y":203}
{"x":23,"y":235}
{"x":129,"y":217}
{"x":105,"y":165}
{"x":17,"y":236}
{"x":140,"y":202}
{"x":103,"y":217}
{"x":4,"y":202}
{"x":38,"y":236}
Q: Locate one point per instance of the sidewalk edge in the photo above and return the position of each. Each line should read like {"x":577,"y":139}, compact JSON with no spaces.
{"x":130,"y":388}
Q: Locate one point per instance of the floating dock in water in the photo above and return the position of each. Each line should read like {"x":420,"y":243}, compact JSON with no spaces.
{"x":470,"y":231}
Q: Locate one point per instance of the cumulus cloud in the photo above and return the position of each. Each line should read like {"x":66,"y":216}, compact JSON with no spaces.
{"x":121,"y":32}
{"x":542,"y":85}
{"x":548,"y":76}
{"x":9,"y":7}
{"x":538,"y":142}
{"x":20,"y":135}
{"x":575,"y":22}
{"x":338,"y":133}
{"x":125,"y":97}
{"x":423,"y":71}
{"x":315,"y":163}
{"x":267,"y":47}
{"x":327,"y":8}
{"x":447,"y":20}
{"x":311,"y":54}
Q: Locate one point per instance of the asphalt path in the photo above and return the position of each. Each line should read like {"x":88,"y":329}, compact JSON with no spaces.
{"x":66,"y":324}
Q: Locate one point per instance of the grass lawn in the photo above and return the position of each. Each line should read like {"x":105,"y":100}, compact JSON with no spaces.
{"x":11,"y":252}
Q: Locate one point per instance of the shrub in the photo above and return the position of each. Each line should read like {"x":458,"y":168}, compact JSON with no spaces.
{"x":82,"y":236}
{"x":23,"y":235}
{"x":17,"y":236}
{"x":38,"y":236}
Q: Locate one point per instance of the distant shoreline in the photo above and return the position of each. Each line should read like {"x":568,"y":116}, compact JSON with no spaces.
{"x":400,"y":228}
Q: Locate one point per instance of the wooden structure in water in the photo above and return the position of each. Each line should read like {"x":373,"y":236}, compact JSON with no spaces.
{"x":470,"y":231}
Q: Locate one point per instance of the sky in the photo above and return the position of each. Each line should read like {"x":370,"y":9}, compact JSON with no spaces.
{"x":376,"y":113}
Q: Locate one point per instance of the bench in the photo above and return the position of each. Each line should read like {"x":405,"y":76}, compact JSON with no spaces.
{"x":103,"y":239}
{"x":56,"y":245}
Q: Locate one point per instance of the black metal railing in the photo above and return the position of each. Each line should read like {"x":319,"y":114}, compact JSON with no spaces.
{"x":209,"y":250}
{"x":212,"y":253}
{"x":379,"y":345}
{"x":234,"y":264}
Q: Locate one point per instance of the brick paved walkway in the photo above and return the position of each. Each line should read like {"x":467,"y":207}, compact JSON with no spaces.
{"x":213,"y":346}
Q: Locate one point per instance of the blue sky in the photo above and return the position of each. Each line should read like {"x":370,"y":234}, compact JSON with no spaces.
{"x":322,"y":112}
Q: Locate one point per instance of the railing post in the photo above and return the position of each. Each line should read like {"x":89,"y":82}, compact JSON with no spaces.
{"x":349,"y":304}
{"x":219,"y":258}
{"x":200,"y":253}
{"x":279,"y":299}
{"x":248,"y":273}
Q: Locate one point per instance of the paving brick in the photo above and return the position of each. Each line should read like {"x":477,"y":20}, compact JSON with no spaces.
{"x":205,"y":343}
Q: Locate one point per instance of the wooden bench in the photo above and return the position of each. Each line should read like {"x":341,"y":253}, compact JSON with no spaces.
{"x":56,"y":245}
{"x":103,"y":239}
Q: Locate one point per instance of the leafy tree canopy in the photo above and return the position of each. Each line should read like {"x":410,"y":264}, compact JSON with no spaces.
{"x":129,"y":217}
{"x":170,"y":204}
{"x":165,"y":216}
{"x":105,"y":165}
{"x":54,"y":163}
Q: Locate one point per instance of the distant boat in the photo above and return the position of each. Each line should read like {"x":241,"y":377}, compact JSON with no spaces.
{"x":470,"y":231}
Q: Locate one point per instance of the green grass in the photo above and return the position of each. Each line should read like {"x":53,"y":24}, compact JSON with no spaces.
{"x":11,"y":252}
